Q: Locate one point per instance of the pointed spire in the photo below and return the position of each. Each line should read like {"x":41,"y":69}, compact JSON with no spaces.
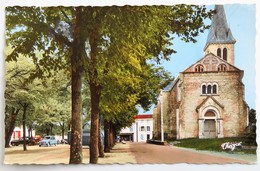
{"x":219,"y":30}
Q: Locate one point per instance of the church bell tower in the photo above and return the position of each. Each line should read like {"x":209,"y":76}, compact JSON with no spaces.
{"x":220,"y":40}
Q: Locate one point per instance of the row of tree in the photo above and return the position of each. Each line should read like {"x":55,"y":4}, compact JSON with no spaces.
{"x":111,"y":50}
{"x":37,"y":104}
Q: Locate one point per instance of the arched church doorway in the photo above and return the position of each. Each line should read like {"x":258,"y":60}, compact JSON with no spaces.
{"x":210,"y":125}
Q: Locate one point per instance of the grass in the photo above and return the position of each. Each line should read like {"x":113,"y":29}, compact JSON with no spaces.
{"x":212,"y":144}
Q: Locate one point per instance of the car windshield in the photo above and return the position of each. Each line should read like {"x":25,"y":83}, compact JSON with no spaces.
{"x":47,"y":137}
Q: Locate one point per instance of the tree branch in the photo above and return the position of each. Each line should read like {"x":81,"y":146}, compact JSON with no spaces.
{"x":60,"y":38}
{"x":66,"y":16}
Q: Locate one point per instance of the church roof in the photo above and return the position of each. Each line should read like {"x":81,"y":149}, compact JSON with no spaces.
{"x":213,"y":60}
{"x":219,"y":30}
{"x":169,"y":86}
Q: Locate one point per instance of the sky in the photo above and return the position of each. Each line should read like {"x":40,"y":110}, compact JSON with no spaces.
{"x":241,"y":19}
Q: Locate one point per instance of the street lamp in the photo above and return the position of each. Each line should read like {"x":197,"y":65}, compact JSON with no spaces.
{"x":160,"y":99}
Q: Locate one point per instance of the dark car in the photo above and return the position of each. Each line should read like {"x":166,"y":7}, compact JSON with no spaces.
{"x":29,"y":141}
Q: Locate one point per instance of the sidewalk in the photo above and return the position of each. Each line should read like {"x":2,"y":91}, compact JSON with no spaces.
{"x":120,"y":154}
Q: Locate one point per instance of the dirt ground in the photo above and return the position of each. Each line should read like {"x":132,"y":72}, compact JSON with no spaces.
{"x":60,"y":155}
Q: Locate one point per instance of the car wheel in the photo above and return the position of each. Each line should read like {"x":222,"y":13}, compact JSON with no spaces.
{"x":39,"y":145}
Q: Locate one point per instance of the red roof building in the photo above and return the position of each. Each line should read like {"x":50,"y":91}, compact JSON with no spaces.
{"x":140,"y":131}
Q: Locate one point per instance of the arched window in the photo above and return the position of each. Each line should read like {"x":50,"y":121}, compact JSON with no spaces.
{"x":225,"y":54}
{"x":209,"y":89}
{"x":209,"y":114}
{"x":219,"y":52}
{"x":222,"y":67}
{"x":203,"y":89}
{"x":199,"y":68}
{"x":214,"y":89}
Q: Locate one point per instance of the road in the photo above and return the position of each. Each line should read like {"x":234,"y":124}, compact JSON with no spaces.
{"x":157,"y":154}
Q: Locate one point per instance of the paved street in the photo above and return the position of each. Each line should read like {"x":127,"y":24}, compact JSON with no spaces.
{"x":141,"y":153}
{"x":150,"y":153}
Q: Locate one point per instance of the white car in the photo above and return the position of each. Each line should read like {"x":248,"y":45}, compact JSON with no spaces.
{"x":48,"y":141}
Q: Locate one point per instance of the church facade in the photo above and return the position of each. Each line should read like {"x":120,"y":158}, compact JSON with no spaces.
{"x":206,"y":100}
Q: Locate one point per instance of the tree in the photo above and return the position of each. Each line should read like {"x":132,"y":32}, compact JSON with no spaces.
{"x":35,"y":28}
{"x":10,"y":120}
{"x":98,"y":40}
{"x":20,"y":94}
{"x":116,"y":46}
{"x":251,"y":133}
{"x":55,"y":110}
{"x":41,"y":100}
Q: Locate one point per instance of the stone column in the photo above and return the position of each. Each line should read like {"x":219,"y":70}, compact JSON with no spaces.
{"x":201,"y":127}
{"x":220,"y":127}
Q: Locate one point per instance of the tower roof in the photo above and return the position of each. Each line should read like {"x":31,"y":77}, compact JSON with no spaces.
{"x":219,"y":31}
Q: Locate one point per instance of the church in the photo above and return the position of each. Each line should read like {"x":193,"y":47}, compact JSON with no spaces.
{"x":207,"y":99}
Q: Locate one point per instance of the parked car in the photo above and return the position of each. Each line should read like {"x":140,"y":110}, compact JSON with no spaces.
{"x":29,"y":141}
{"x":48,"y":141}
{"x":37,"y":139}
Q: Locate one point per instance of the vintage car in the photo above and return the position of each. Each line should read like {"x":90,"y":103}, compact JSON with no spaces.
{"x":48,"y":141}
{"x":29,"y":141}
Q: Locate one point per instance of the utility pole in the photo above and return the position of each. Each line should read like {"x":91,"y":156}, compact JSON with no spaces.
{"x":161,"y":102}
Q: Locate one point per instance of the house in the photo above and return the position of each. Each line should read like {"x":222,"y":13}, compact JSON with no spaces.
{"x":206,"y":100}
{"x":140,"y":131}
{"x":18,"y":133}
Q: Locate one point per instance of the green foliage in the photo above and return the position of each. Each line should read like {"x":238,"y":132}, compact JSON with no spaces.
{"x":49,"y":99}
{"x":251,"y":129}
{"x":252,"y":116}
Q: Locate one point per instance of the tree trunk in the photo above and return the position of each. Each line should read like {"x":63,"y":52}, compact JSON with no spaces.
{"x":94,"y":128}
{"x":25,"y":105}
{"x":10,"y":127}
{"x":107,"y":133}
{"x":76,"y":128}
{"x":111,"y":136}
{"x":95,"y":94}
{"x":51,"y":129}
{"x":29,"y":131}
{"x":100,"y":142}
{"x":76,"y":156}
{"x":62,"y":125}
{"x":47,"y":129}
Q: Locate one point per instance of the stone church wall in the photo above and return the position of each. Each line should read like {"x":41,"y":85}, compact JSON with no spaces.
{"x":230,"y":95}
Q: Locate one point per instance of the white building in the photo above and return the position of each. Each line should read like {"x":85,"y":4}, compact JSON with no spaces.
{"x":18,"y":133}
{"x":140,"y":131}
